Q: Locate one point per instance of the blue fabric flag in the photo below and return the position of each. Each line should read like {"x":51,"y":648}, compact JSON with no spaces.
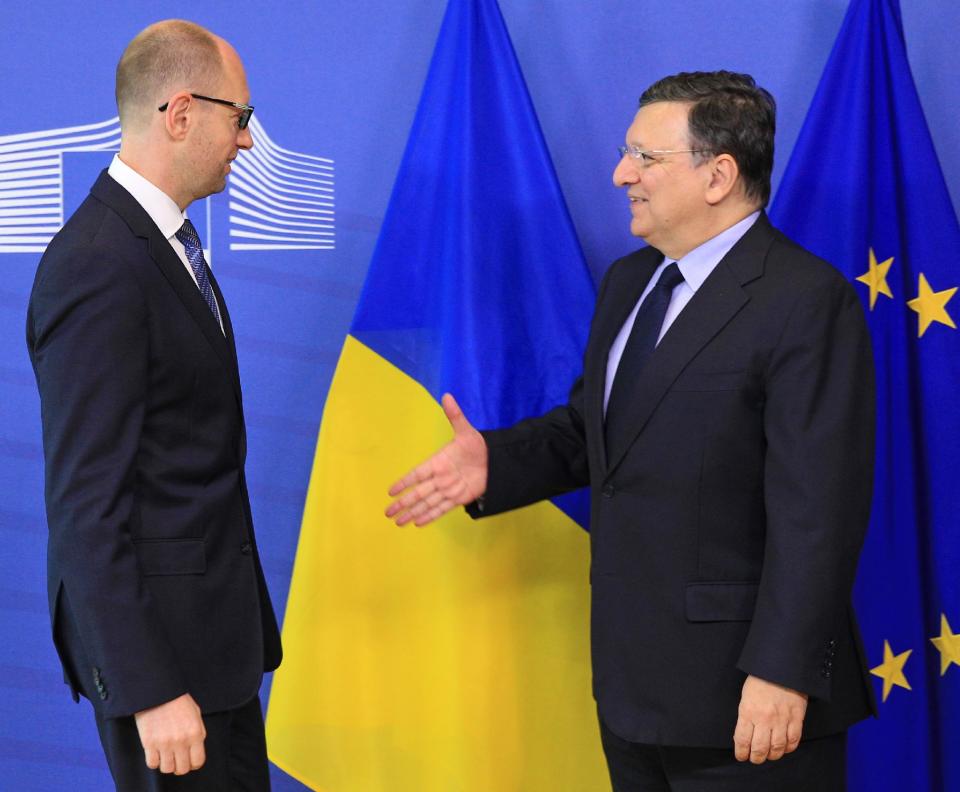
{"x":864,"y":190}
{"x":478,"y":285}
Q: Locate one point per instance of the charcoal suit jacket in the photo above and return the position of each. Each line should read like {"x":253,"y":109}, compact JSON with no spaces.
{"x":154,"y":581}
{"x":726,"y":524}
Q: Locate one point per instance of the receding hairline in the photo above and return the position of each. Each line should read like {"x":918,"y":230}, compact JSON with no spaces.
{"x":167,"y":56}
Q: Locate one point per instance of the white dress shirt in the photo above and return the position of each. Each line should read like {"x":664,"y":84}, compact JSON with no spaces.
{"x":695,"y":267}
{"x":163,"y":210}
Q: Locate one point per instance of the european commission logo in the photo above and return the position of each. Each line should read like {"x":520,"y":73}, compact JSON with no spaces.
{"x":278,"y":199}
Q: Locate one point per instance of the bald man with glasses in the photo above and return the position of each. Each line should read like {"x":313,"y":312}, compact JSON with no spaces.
{"x":160,"y":611}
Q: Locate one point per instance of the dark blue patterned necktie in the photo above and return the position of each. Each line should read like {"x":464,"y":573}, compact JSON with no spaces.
{"x":639,"y":347}
{"x":191,"y":242}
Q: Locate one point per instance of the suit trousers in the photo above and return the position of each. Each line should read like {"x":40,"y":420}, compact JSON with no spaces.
{"x":235,"y":748}
{"x":818,"y":764}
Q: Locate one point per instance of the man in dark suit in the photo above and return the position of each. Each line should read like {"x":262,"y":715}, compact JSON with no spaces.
{"x":160,"y":612}
{"x":724,"y":423}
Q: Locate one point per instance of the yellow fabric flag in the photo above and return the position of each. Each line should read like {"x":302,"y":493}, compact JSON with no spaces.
{"x":448,"y":658}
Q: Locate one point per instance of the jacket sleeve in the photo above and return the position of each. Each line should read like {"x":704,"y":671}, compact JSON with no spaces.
{"x":89,"y":347}
{"x":819,"y":416}
{"x":540,"y":457}
{"x":535,"y":459}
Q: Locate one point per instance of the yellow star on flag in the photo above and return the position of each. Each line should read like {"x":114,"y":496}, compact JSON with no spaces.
{"x":891,"y":669}
{"x":931,"y":306}
{"x":876,"y":278}
{"x":947,"y":644}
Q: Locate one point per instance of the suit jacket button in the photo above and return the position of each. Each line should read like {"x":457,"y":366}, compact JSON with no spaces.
{"x":246,"y":548}
{"x":608,"y":491}
{"x":103,"y":695}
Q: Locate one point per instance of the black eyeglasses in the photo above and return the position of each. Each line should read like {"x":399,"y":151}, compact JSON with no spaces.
{"x":245,"y":110}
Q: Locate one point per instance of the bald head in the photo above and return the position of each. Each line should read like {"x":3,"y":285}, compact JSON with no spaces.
{"x":166,"y":57}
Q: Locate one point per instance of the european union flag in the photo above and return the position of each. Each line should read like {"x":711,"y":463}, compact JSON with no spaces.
{"x":864,"y":190}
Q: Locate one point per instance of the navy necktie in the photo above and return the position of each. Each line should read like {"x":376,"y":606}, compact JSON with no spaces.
{"x":191,"y":242}
{"x":639,"y":347}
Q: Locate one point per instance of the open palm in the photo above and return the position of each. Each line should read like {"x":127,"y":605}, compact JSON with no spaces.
{"x":454,"y":476}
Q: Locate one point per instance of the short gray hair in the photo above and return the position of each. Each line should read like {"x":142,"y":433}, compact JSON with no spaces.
{"x":173,"y":55}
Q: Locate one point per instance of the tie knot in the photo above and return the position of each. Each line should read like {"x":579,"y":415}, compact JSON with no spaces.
{"x":670,"y":277}
{"x":188,"y":234}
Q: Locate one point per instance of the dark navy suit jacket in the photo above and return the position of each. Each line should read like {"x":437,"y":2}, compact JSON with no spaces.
{"x":154,"y":580}
{"x":726,"y":524}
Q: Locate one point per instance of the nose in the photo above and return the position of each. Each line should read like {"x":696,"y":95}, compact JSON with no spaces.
{"x":245,"y":139}
{"x":626,"y":172}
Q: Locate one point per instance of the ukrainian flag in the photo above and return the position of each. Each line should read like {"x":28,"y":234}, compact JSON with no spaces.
{"x":452,"y":658}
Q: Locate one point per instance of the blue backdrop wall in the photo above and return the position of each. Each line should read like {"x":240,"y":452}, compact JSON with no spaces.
{"x":336,"y":84}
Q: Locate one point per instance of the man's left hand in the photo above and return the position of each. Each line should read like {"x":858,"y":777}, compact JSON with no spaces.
{"x":770,"y":721}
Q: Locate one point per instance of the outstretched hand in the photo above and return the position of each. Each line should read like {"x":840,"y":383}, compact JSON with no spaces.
{"x":454,"y":476}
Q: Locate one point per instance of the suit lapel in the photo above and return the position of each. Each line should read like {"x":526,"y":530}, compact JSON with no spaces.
{"x":716,"y":302}
{"x":227,"y":333}
{"x":117,"y":198}
{"x":624,"y":292}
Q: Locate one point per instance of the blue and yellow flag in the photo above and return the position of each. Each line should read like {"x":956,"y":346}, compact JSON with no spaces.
{"x":453,"y":657}
{"x":864,"y":190}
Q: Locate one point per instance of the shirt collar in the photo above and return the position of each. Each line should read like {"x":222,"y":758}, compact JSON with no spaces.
{"x":162,"y":209}
{"x":701,"y":261}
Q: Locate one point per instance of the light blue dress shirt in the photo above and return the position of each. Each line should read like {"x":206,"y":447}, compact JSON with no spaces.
{"x":695,"y":267}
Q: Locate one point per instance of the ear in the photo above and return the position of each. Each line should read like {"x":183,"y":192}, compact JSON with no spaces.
{"x":178,"y":116}
{"x":724,"y":177}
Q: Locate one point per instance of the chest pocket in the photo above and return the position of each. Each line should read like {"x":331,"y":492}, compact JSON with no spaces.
{"x":710,"y":381}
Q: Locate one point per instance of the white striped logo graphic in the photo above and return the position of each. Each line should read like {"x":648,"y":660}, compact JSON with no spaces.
{"x":279,"y":199}
{"x":31,"y":181}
